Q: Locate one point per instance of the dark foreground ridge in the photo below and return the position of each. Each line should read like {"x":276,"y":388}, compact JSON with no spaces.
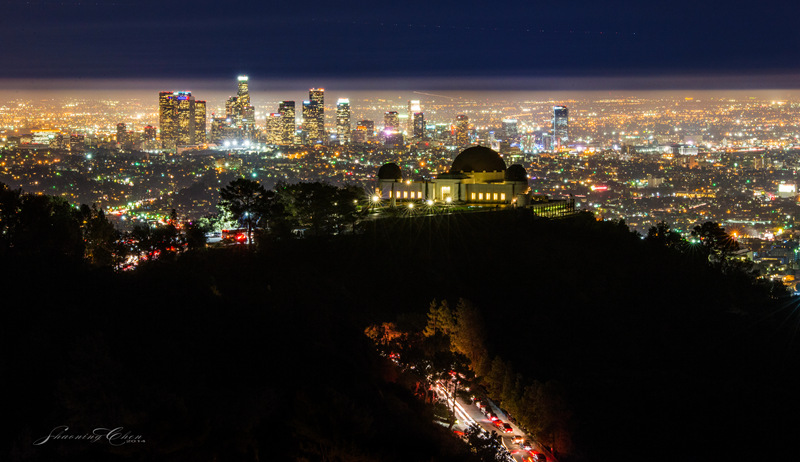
{"x":237,"y":355}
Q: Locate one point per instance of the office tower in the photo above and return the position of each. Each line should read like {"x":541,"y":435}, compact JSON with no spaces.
{"x":369,"y":129}
{"x":317,"y":96}
{"x":547,"y":142}
{"x":310,"y":123}
{"x":314,"y":116}
{"x":343,"y":120}
{"x":199,"y":122}
{"x":166,"y":115}
{"x":462,"y":130}
{"x":231,"y":107}
{"x":186,"y":119}
{"x":560,"y":126}
{"x":391,"y":121}
{"x":149,"y":133}
{"x":413,"y":108}
{"x":121,"y":132}
{"x":359,"y":135}
{"x":287,"y":111}
{"x":275,"y":128}
{"x":245,"y":113}
{"x":240,"y":112}
{"x":243,"y":93}
{"x":246,"y":110}
{"x":418,"y":125}
{"x":510,"y":130}
{"x":220,"y":126}
{"x":182,"y":119}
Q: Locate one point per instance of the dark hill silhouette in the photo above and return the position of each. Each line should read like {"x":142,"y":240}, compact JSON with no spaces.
{"x":232,"y":354}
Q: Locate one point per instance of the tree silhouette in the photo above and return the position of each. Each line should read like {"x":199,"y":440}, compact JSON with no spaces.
{"x":247,"y":201}
{"x":663,"y":236}
{"x":715,"y":240}
{"x":469,"y":336}
{"x":100,"y":237}
{"x":35,"y":225}
{"x":196,"y":235}
{"x":319,"y":208}
{"x":10,"y":205}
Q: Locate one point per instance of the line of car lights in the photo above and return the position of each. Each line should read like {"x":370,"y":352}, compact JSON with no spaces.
{"x":461,"y":413}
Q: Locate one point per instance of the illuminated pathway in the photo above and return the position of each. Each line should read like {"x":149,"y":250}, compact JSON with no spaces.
{"x":468,"y":414}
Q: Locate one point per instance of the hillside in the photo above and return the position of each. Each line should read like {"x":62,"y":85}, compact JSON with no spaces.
{"x":261,"y":355}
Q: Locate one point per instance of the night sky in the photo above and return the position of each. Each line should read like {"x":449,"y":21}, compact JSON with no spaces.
{"x":498,"y":39}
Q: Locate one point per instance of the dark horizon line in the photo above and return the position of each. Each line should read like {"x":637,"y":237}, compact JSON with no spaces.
{"x":641,"y":82}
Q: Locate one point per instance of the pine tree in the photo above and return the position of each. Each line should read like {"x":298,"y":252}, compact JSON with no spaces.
{"x":469,"y":336}
{"x":440,"y":319}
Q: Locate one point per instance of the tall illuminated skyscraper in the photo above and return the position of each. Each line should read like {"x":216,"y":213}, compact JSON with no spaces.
{"x":240,"y":112}
{"x":391,"y":121}
{"x":199,"y":122}
{"x":413,"y":108}
{"x":287,"y":111}
{"x":560,"y":126}
{"x":185,"y":114}
{"x":366,"y":128}
{"x":167,"y":115}
{"x":181,"y":118}
{"x":343,"y":120}
{"x":275,"y":128}
{"x":418,"y":128}
{"x":243,"y":93}
{"x":310,"y":122}
{"x":314,"y":115}
{"x":121,"y":132}
{"x":247,"y":111}
{"x":462,"y":130}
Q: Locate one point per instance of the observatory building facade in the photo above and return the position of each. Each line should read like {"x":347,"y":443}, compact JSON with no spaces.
{"x":478,"y":176}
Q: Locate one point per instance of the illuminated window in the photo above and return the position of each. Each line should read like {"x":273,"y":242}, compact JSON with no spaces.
{"x":405,"y":194}
{"x":390,"y":194}
{"x":494,"y":196}
{"x":480,"y":196}
{"x":445,"y":192}
{"x":419,"y":194}
{"x":472,"y":196}
{"x":502,"y":196}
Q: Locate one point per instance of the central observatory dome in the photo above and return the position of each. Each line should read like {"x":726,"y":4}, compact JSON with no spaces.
{"x":478,"y":159}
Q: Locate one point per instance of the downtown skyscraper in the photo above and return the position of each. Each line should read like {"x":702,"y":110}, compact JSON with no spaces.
{"x":288,"y":123}
{"x":314,"y":116}
{"x":343,"y":120}
{"x":461,"y":130}
{"x":414,"y":107}
{"x":560,"y":126}
{"x":391,"y":121}
{"x":239,"y":112}
{"x":182,"y":119}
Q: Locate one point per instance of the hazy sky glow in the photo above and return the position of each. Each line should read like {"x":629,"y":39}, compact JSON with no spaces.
{"x":490,"y":45}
